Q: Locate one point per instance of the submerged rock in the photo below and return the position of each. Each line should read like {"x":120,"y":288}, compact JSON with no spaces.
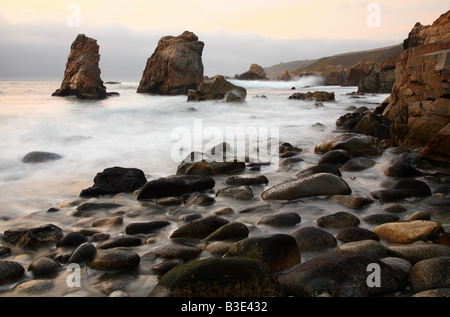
{"x":82,"y":74}
{"x":39,"y":157}
{"x":356,"y":144}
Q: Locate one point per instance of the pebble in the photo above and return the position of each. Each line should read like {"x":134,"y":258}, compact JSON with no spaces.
{"x":284,"y":219}
{"x":114,"y":260}
{"x":314,"y":239}
{"x":338,"y":220}
{"x":10,"y":271}
{"x":408,"y":232}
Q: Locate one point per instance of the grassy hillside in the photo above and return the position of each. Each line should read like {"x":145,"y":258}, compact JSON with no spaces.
{"x":327,"y":64}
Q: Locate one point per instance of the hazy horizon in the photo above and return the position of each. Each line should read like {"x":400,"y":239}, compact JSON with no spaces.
{"x":36,"y":37}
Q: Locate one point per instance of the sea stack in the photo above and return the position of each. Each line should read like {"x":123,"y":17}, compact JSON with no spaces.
{"x":82,"y":74}
{"x":174,"y":67}
{"x":419,"y":102}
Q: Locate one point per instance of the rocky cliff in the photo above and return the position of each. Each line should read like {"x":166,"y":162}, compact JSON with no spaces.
{"x":420,"y":100}
{"x":82,"y":74}
{"x":174,"y":67}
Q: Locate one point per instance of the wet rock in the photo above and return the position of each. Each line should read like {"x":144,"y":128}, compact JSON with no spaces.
{"x":319,"y":96}
{"x":165,"y":266}
{"x":430,"y":274}
{"x":289,"y":161}
{"x":238,"y":193}
{"x":394,"y":208}
{"x":88,"y":209}
{"x":255,"y":72}
{"x":314,"y":185}
{"x":199,"y":199}
{"x":178,"y":251}
{"x":33,"y":237}
{"x":258,"y":207}
{"x":44,"y":266}
{"x":373,"y":124}
{"x":354,"y":202}
{"x":369,"y":247}
{"x":146,"y":227}
{"x":218,"y":89}
{"x":351,"y":234}
{"x":402,"y":170}
{"x":35,"y":287}
{"x":40,"y":157}
{"x":398,"y":262}
{"x":230,"y":231}
{"x":338,"y":157}
{"x":248,"y":180}
{"x":189,"y":217}
{"x":10,"y":271}
{"x":107,"y":221}
{"x":83,"y":253}
{"x":401,"y":189}
{"x":72,"y":239}
{"x":218,"y":248}
{"x":358,"y":164}
{"x":174,"y":67}
{"x":314,"y":239}
{"x":200,"y":228}
{"x":82,"y":74}
{"x":408,"y":232}
{"x":222,"y":211}
{"x":418,"y":251}
{"x":115,"y":180}
{"x":349,"y":120}
{"x":208,"y":168}
{"x":338,"y":220}
{"x":419,"y":215}
{"x":356,"y":144}
{"x":284,"y":219}
{"x":175,"y":186}
{"x":322,"y":168}
{"x":377,"y":219}
{"x":239,"y":277}
{"x":340,"y":274}
{"x":120,"y":241}
{"x":278,"y":251}
{"x":114,"y":260}
{"x":439,"y":292}
{"x":4,"y":251}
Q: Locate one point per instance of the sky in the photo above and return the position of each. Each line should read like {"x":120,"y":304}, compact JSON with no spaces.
{"x":35,"y":35}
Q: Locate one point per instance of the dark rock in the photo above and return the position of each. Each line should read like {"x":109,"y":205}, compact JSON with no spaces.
{"x":430,"y":274}
{"x":255,"y":72}
{"x":438,"y":292}
{"x":319,"y":96}
{"x":115,"y":180}
{"x":240,"y":180}
{"x":338,"y":220}
{"x":174,"y":67}
{"x":368,"y":247}
{"x":33,"y":237}
{"x":354,"y":202}
{"x":322,"y":168}
{"x":88,"y":209}
{"x":175,"y":186}
{"x":238,"y":193}
{"x":239,"y":277}
{"x":10,"y":271}
{"x":340,"y":274}
{"x":114,"y":260}
{"x":349,"y":120}
{"x":44,"y":266}
{"x":200,"y":228}
{"x":165,"y":266}
{"x":258,"y":207}
{"x":72,"y":239}
{"x":146,"y":227}
{"x":356,"y":144}
{"x":107,"y":221}
{"x":401,"y":189}
{"x":314,"y":239}
{"x":375,"y":125}
{"x":283,"y":219}
{"x":338,"y":157}
{"x":376,"y":219}
{"x":178,"y":251}
{"x":4,"y":251}
{"x":351,"y":234}
{"x":230,"y":231}
{"x":120,"y":241}
{"x":358,"y":164}
{"x":199,"y":199}
{"x":402,"y":170}
{"x":418,"y":251}
{"x":278,"y":251}
{"x":210,"y":168}
{"x":218,"y":89}
{"x":84,"y":252}
{"x":314,"y":185}
{"x":39,"y":157}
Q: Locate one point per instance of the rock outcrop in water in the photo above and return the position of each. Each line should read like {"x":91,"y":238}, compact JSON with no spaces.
{"x":175,"y":66}
{"x":419,"y":102}
{"x":217,"y":89}
{"x":82,"y":74}
{"x":255,"y":72}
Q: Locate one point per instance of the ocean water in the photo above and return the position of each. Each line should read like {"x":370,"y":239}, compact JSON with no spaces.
{"x":141,"y":131}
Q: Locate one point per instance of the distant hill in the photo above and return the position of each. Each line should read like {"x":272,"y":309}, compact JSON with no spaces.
{"x":327,"y":64}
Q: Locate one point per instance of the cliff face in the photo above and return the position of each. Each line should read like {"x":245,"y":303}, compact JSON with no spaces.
{"x":420,"y":98}
{"x":174,"y":67}
{"x":82,"y":74}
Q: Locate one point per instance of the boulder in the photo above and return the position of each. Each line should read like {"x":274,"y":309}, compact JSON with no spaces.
{"x":314,"y":185}
{"x":282,"y":219}
{"x":278,"y":251}
{"x":229,"y":232}
{"x":318,"y":96}
{"x":239,"y":193}
{"x":418,"y":105}
{"x":114,"y":260}
{"x":430,"y":274}
{"x":10,"y":271}
{"x":404,"y":188}
{"x":284,"y":76}
{"x":418,"y":251}
{"x":39,"y":157}
{"x":408,"y":232}
{"x":255,"y":72}
{"x":375,"y":125}
{"x":33,"y":237}
{"x":219,"y":277}
{"x":358,"y":164}
{"x":217,"y":89}
{"x":199,"y":228}
{"x":174,"y":67}
{"x":82,"y":74}
{"x":175,"y":186}
{"x":338,"y":220}
{"x":178,"y":251}
{"x":341,"y":274}
{"x":209,"y":168}
{"x":313,"y":239}
{"x":437,"y":150}
{"x":115,"y":180}
{"x":356,"y":144}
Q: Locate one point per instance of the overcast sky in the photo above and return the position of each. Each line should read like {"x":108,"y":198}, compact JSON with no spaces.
{"x":35,"y":36}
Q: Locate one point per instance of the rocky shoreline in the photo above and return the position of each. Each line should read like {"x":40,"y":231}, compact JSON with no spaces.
{"x":190,"y":234}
